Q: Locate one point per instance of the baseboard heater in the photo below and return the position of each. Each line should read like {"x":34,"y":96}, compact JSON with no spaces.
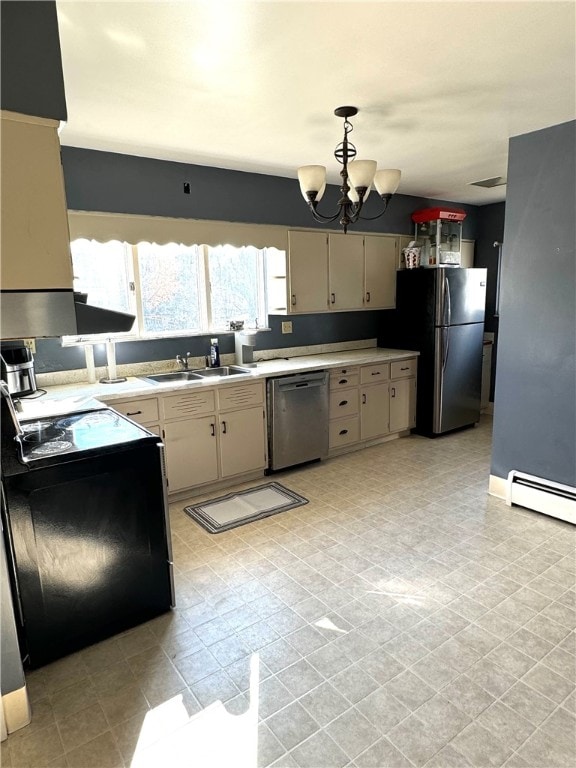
{"x":541,"y":495}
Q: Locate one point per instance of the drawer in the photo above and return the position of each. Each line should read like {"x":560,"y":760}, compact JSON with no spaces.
{"x":344,"y":431}
{"x":194,"y":403}
{"x":343,"y":403}
{"x":371,"y":374}
{"x":349,"y":370}
{"x":141,"y":411}
{"x":402,"y":368}
{"x":241,"y":395}
{"x":344,"y":379}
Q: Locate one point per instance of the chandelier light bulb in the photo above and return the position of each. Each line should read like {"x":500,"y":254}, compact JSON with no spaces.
{"x":312,"y":179}
{"x":386,"y":182}
{"x":361,"y":173}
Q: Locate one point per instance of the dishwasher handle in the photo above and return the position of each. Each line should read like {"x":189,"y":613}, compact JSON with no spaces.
{"x":301,"y":381}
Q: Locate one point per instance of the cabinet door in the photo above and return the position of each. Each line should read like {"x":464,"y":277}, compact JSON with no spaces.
{"x":345,"y":271}
{"x":401,"y":404}
{"x":467,"y":253}
{"x":191,"y":453}
{"x":308,"y":271}
{"x":242,"y":441}
{"x":381,"y":256}
{"x":374,"y":411}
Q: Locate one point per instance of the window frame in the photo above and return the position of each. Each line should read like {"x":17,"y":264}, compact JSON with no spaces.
{"x":204,"y":299}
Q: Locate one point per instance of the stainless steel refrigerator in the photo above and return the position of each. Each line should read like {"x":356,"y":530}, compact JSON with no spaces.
{"x":440,"y":313}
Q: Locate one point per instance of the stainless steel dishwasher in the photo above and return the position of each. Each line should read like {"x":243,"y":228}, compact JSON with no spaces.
{"x":297,"y":418}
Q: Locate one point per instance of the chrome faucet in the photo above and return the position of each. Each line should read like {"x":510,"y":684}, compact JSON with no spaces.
{"x":183,"y":361}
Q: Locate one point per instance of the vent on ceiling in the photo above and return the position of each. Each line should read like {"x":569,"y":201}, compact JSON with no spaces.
{"x":497,"y":181}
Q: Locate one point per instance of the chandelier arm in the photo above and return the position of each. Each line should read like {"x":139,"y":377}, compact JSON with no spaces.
{"x":386,"y":200}
{"x":320,"y":216}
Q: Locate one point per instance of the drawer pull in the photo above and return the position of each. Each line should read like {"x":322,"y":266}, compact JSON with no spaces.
{"x":376,"y":373}
{"x":343,"y":432}
{"x":343,"y":381}
{"x":343,"y":402}
{"x":405,"y":369}
{"x":133,"y":413}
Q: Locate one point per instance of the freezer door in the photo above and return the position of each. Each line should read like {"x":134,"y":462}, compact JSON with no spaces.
{"x":460,"y":296}
{"x":458,"y":376}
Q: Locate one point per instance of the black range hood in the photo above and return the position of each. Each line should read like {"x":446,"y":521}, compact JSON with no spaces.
{"x":90,"y":319}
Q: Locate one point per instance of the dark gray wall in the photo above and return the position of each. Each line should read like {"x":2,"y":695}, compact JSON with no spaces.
{"x":535,"y":403}
{"x":107,"y":181}
{"x":31,"y":67}
{"x":307,"y":329}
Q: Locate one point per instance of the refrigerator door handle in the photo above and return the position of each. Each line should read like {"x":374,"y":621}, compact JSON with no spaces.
{"x":447,"y":304}
{"x":445,"y":346}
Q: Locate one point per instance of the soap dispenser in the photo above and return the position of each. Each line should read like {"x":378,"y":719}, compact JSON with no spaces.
{"x":214,"y":354}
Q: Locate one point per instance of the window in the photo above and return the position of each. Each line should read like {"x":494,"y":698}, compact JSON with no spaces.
{"x":173,"y":289}
{"x":169,"y":288}
{"x":104,"y":272}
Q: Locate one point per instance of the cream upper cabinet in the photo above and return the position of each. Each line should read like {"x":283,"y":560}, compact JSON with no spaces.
{"x":35,"y":242}
{"x":332,"y":272}
{"x":307,"y":271}
{"x":380,"y":259}
{"x":345,"y":271}
{"x":467,"y":253}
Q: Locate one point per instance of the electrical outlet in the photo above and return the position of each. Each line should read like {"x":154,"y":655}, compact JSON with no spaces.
{"x":287,"y":327}
{"x":31,"y":344}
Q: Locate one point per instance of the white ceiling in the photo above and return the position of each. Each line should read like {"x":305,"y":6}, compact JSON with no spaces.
{"x":252,"y":86}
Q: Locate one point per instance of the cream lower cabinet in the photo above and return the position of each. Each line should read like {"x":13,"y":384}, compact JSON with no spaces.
{"x":189,"y":431}
{"x":368,"y":402}
{"x":142,"y":410}
{"x":374,"y":400}
{"x":211,"y":435}
{"x":242,"y":428}
{"x":403,"y":395}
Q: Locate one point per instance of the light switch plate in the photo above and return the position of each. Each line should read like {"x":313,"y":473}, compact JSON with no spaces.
{"x":287,"y":327}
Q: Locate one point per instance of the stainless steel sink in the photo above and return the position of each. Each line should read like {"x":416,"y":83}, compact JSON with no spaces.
{"x":225,"y":370}
{"x":159,"y":378}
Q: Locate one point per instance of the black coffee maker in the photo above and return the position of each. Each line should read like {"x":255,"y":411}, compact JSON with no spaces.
{"x":17,"y":370}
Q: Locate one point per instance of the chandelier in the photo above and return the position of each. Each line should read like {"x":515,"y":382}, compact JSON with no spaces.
{"x":357,"y":179}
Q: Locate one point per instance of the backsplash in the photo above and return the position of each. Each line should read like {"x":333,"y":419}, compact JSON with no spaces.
{"x":80,"y":375}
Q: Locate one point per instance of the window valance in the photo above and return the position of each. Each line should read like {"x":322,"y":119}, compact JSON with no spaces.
{"x":159,"y":229}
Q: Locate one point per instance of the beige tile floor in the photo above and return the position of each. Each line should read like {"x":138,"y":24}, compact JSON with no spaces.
{"x":401,"y":618}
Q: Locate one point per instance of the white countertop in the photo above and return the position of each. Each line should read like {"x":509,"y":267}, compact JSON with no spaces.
{"x":78,"y":396}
